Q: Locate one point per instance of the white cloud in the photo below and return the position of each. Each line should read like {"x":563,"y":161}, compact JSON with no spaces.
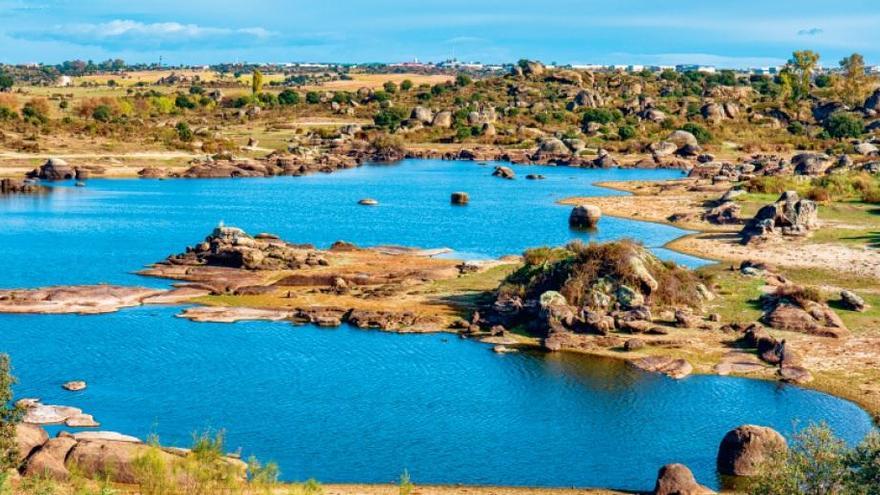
{"x":810,"y":32}
{"x":173,"y":30}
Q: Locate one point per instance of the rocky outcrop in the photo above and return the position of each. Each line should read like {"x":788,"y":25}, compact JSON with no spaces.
{"x":49,"y":460}
{"x":872,"y":103}
{"x":585,"y":216}
{"x":677,"y":479}
{"x":788,"y":216}
{"x":19,"y":186}
{"x":442,"y":120}
{"x":53,"y":169}
{"x":727,"y":213}
{"x":791,"y":308}
{"x":81,"y":299}
{"x":233,"y":248}
{"x":28,"y":438}
{"x":744,"y":449}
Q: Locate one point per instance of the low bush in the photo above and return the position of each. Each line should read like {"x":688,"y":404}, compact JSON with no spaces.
{"x":701,"y":133}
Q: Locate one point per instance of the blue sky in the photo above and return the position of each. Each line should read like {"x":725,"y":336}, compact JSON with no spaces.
{"x":724,"y":32}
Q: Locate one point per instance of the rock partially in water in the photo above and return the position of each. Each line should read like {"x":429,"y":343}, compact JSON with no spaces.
{"x":368,"y":202}
{"x":460,"y":198}
{"x":669,"y":366}
{"x":744,"y":449}
{"x":54,"y":169}
{"x":74,"y":386}
{"x":82,"y":299}
{"x":504,"y":172}
{"x":226,"y":314}
{"x":585,"y":216}
{"x":677,"y":479}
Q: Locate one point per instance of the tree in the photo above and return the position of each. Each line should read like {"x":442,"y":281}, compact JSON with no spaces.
{"x":313,"y":97}
{"x":390,"y":118}
{"x":462,"y":80}
{"x":406,"y":85}
{"x":390,"y":87}
{"x":184,"y":132}
{"x":854,"y":82}
{"x":626,"y":132}
{"x":813,"y":464}
{"x":102,"y":113}
{"x":256,"y":82}
{"x":6,"y":82}
{"x":10,"y":416}
{"x":864,"y":465}
{"x":801,"y":66}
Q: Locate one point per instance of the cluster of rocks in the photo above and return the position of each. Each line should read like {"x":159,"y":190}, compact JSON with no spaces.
{"x":101,"y":455}
{"x":776,"y":352}
{"x":791,"y":308}
{"x":56,"y":169}
{"x":614,"y":300}
{"x":48,"y":414}
{"x":788,"y":216}
{"x":233,"y":248}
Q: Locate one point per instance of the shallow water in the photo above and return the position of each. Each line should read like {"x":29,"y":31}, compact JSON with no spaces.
{"x":347,"y":405}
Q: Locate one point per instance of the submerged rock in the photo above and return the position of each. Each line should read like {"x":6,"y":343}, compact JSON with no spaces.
{"x":74,"y":386}
{"x":504,"y":172}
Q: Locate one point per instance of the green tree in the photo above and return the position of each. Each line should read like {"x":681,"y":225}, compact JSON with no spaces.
{"x":256,"y":82}
{"x":406,"y":85}
{"x":390,"y":87}
{"x":390,"y":118}
{"x":183,"y":101}
{"x":845,"y":125}
{"x":10,"y":416}
{"x":288,"y":97}
{"x":313,"y":97}
{"x":801,"y":66}
{"x":463,"y":80}
{"x":854,"y":81}
{"x":6,"y":82}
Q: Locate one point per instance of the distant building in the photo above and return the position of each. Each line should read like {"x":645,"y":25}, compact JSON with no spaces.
{"x":706,"y":69}
{"x":65,"y":81}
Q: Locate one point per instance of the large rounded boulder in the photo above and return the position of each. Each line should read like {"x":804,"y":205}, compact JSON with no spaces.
{"x":28,"y":438}
{"x":585,"y":216}
{"x":677,"y":479}
{"x":745,"y":448}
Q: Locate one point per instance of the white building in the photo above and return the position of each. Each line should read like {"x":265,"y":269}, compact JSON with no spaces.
{"x":65,"y":81}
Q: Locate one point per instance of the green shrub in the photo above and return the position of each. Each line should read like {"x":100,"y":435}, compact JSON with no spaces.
{"x":626,"y":132}
{"x":405,"y":487}
{"x":10,"y":416}
{"x":701,"y":133}
{"x":463,"y":80}
{"x":406,"y":85}
{"x":183,"y":101}
{"x":102,"y":113}
{"x":288,"y":97}
{"x":844,"y":125}
{"x":601,"y":115}
{"x":184,"y":132}
{"x":7,"y":113}
{"x":390,"y":87}
{"x":313,"y":98}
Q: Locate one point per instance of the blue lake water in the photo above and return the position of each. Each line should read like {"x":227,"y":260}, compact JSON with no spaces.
{"x":346,"y":405}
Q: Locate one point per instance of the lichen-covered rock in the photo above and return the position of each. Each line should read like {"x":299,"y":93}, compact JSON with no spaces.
{"x":744,"y":449}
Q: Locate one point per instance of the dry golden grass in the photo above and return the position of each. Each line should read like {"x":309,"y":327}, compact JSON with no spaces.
{"x":375,"y":81}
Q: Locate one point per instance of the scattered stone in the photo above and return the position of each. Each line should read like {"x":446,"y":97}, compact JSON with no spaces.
{"x":504,"y":172}
{"x":633,"y":345}
{"x":851,"y":301}
{"x":795,"y":374}
{"x":744,"y":449}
